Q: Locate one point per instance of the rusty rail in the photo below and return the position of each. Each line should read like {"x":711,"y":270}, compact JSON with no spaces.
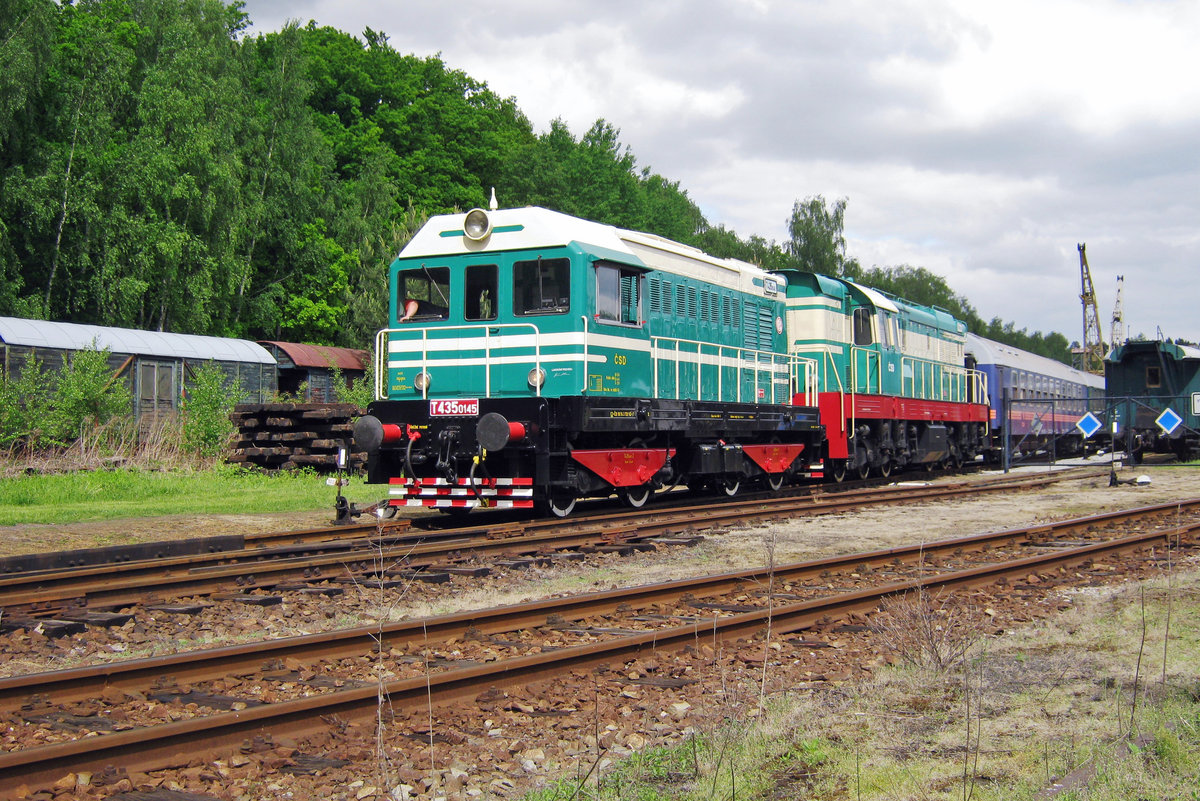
{"x":176,"y":743}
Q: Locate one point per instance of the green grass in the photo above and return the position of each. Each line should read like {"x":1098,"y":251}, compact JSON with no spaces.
{"x":115,"y":494}
{"x":1043,"y":702}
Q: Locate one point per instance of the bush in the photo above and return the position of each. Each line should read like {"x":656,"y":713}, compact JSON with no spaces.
{"x":206,"y":405}
{"x":360,"y":392}
{"x":24,"y":405}
{"x":42,"y":408}
{"x":86,"y":395}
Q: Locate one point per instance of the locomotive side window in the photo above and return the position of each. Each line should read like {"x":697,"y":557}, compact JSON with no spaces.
{"x":1153,"y":376}
{"x":480,"y":300}
{"x":541,"y":286}
{"x":424,"y":293}
{"x":862,"y":326}
{"x":887,"y":329}
{"x":618,"y":295}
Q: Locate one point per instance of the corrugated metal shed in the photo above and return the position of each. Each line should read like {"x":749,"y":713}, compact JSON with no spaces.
{"x":323,"y":356}
{"x":74,"y":336}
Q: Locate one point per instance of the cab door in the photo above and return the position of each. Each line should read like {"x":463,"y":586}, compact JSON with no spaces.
{"x":865,"y":367}
{"x":619,"y":344}
{"x":891,"y":375}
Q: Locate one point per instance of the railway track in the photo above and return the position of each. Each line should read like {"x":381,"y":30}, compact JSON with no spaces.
{"x":532,"y":642}
{"x":395,"y":551}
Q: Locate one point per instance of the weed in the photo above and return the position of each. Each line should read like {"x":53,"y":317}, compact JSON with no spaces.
{"x":929,"y":632}
{"x":207,"y":402}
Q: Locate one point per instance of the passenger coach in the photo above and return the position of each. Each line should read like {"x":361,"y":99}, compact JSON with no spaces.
{"x":1042,"y":398}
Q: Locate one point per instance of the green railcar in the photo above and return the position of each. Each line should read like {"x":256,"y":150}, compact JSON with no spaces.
{"x":893,"y":387}
{"x":1154,"y":387}
{"x":537,"y":357}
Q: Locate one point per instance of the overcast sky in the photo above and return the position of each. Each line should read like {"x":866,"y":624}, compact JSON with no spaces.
{"x":982,"y":141}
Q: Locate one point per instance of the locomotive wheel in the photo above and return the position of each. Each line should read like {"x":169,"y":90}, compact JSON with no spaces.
{"x":730,"y":486}
{"x":839,"y":470}
{"x":634,"y":497}
{"x":885,"y":468}
{"x":864,"y":470}
{"x":775,"y":480}
{"x":560,"y":505}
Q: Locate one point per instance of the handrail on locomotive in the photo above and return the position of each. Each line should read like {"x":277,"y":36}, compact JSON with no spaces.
{"x":383,"y":350}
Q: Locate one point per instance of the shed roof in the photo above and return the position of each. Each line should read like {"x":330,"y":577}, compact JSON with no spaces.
{"x":322,"y":355}
{"x":74,"y":336}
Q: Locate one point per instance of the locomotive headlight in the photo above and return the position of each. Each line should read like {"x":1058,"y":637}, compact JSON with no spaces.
{"x":476,"y":225}
{"x":537,"y":377}
{"x":421,"y":381}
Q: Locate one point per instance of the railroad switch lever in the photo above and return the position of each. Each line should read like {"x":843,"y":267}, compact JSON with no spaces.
{"x":344,"y":512}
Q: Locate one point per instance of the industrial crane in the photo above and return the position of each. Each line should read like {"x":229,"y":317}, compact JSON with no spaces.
{"x":1091,"y":352}
{"x":1116,"y":334}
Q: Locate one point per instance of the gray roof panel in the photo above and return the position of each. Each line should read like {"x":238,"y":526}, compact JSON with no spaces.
{"x":74,"y":336}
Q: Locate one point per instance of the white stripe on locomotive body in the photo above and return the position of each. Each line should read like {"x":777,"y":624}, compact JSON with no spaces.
{"x":564,"y":339}
{"x":671,"y":355}
{"x":817,"y":325}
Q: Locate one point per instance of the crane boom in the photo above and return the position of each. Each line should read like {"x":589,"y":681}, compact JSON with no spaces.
{"x":1116,"y":334}
{"x":1092,"y":352}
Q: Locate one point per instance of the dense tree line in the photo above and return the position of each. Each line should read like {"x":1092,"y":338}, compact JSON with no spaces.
{"x":162,"y":169}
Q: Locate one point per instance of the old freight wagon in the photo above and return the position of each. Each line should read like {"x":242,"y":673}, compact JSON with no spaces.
{"x":155,"y":365}
{"x":308,"y":371}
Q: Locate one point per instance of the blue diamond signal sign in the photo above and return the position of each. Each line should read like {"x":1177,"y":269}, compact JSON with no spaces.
{"x":1088,"y":425}
{"x":1169,"y":420}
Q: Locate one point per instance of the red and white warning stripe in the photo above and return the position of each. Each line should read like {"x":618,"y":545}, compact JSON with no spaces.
{"x":438,"y":493}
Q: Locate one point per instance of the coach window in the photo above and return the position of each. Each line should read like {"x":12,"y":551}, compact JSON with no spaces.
{"x":862,"y":326}
{"x":424,"y":294}
{"x":1153,"y":376}
{"x":480,"y":290}
{"x":541,"y":286}
{"x":618,"y":294}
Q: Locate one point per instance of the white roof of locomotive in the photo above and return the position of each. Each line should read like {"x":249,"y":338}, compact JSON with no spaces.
{"x":536,"y":227}
{"x":988,"y":351}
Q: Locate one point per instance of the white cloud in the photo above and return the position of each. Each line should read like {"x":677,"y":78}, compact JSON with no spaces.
{"x":979,"y":140}
{"x":1096,"y":65}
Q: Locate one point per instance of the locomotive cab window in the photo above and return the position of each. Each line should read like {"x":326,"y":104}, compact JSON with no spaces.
{"x":424,"y":294}
{"x":618,"y":294}
{"x":862,"y":326}
{"x":1153,"y":376}
{"x":541,"y":286}
{"x":479,"y":302}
